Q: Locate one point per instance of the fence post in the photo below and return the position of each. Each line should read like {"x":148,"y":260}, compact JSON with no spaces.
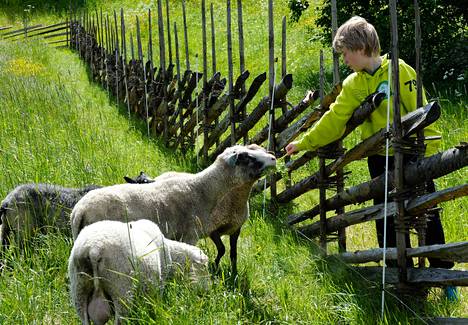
{"x":168,"y":24}
{"x":322,"y":175}
{"x":213,"y":40}
{"x":284,"y":106}
{"x":204,"y":106}
{"x":230,"y":74}
{"x":176,"y":40}
{"x":271,"y":76}
{"x":187,"y":60}
{"x":400,"y":222}
{"x":150,"y":43}
{"x":162,"y":63}
{"x":339,"y":172}
{"x":140,"y":57}
{"x":240,"y":24}
{"x":124,"y":59}
{"x":421,"y":220}
{"x":117,"y":58}
{"x":106,"y":56}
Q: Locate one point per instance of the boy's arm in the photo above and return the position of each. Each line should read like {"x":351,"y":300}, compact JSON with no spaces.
{"x":333,"y":123}
{"x":409,"y":102}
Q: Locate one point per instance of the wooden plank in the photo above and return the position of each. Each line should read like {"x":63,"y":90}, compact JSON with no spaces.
{"x":424,"y":202}
{"x":457,"y":252}
{"x":2,"y":28}
{"x":56,"y":35}
{"x":421,"y":277}
{"x":57,"y":41}
{"x":424,"y":170}
{"x":446,"y":321}
{"x":281,"y":89}
{"x":282,"y":122}
{"x":413,"y":207}
{"x":22,"y":30}
{"x":343,"y":220}
{"x":44,"y":32}
{"x":411,"y":123}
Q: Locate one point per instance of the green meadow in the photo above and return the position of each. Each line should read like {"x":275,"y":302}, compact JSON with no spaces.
{"x":58,"y":126}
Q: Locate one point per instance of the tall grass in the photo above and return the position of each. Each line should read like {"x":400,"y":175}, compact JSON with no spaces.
{"x":57,"y":127}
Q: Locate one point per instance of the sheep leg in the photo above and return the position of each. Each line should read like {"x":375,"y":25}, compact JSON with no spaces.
{"x":233,"y":253}
{"x":216,"y":238}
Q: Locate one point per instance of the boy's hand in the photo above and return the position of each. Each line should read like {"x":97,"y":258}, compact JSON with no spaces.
{"x":291,"y":149}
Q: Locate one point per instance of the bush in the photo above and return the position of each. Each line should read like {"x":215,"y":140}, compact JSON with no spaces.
{"x":444,"y":49}
{"x":297,"y":7}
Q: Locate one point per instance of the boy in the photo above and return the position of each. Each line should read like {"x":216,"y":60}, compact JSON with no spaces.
{"x":359,"y":43}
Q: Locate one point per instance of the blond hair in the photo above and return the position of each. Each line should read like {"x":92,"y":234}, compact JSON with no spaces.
{"x":357,"y":34}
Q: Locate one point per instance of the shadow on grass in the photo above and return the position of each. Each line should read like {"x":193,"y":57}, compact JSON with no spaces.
{"x":18,"y":9}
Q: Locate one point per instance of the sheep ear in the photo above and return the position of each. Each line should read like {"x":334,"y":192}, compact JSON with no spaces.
{"x":129,"y":180}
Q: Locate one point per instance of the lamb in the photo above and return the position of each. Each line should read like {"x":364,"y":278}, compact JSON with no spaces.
{"x":187,"y":207}
{"x":32,"y":207}
{"x":109,"y":258}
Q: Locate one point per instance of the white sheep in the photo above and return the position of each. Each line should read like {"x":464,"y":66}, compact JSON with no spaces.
{"x":110,"y":258}
{"x":30,"y":208}
{"x":186,"y":207}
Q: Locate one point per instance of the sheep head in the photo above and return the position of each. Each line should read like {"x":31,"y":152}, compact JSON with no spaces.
{"x":249,"y":162}
{"x":140,"y":179}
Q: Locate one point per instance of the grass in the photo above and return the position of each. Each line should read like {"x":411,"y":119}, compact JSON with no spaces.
{"x":58,"y":127}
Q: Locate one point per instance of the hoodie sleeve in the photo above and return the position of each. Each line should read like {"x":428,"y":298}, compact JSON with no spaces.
{"x":408,"y":102}
{"x":332,"y":124}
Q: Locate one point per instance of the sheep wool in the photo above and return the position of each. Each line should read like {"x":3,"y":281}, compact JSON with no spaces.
{"x":110,"y":258}
{"x":186,"y":207}
{"x":30,"y":208}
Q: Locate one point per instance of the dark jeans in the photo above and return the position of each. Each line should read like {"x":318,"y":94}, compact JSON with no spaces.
{"x":434,"y":231}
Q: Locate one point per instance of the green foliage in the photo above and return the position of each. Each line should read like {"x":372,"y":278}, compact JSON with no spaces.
{"x":297,"y":7}
{"x":444,"y":27}
{"x":57,"y":126}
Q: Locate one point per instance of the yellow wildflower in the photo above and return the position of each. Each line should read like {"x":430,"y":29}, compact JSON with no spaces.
{"x":24,"y":67}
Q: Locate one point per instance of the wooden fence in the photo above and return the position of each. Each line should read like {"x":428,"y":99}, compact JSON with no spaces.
{"x":208,"y":118}
{"x":55,"y":34}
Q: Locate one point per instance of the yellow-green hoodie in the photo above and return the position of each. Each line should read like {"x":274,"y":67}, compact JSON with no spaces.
{"x":356,"y":87}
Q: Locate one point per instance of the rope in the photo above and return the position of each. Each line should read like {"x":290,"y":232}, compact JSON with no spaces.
{"x":270,"y":122}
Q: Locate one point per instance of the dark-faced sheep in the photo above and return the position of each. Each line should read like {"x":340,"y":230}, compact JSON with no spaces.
{"x":186,"y":207}
{"x":30,"y":208}
{"x":109,"y":258}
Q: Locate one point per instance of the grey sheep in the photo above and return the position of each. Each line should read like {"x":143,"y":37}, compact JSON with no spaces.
{"x":186,"y":207}
{"x":31,"y":207}
{"x":109,"y":258}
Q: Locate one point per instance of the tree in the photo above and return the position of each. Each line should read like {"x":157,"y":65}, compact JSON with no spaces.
{"x":444,"y":29}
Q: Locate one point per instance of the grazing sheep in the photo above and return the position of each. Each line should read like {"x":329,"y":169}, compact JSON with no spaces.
{"x":186,"y":207}
{"x":32,"y":207}
{"x":109,"y":258}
